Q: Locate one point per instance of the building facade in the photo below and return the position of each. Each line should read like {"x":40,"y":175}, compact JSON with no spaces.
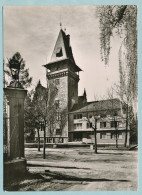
{"x":80,"y":114}
{"x":110,"y":123}
{"x":64,"y":73}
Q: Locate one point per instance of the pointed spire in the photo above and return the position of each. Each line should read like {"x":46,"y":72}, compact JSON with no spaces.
{"x":84,"y":94}
{"x":62,"y":49}
{"x":39,"y":82}
{"x":60,"y":22}
{"x":60,"y":25}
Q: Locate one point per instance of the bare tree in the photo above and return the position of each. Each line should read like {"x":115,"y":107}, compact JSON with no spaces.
{"x":115,"y":106}
{"x":108,"y":109}
{"x":63,"y":115}
{"x":92,"y":118}
{"x":126,"y":97}
{"x":42,"y":109}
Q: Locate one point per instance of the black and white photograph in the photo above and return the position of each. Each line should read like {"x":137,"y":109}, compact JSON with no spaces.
{"x":70,"y":98}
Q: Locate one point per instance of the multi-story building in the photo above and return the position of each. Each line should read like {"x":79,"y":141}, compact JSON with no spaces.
{"x":63,"y":71}
{"x":110,"y":122}
{"x":81,"y":115}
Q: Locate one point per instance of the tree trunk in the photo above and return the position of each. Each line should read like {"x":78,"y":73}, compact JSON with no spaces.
{"x":116,"y":133}
{"x":95,"y":134}
{"x":125,"y":143}
{"x":116,"y":139}
{"x":44,"y":142}
{"x":38,"y":139}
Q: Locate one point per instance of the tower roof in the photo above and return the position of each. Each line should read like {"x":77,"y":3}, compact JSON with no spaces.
{"x":62,"y":51}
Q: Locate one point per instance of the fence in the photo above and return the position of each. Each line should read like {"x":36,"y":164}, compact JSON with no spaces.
{"x":51,"y":139}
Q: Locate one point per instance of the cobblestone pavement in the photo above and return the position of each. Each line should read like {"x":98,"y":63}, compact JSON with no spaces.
{"x":79,"y":169}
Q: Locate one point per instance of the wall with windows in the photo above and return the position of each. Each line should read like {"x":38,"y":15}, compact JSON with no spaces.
{"x":110,"y":137}
{"x":105,"y":127}
{"x":61,"y":103}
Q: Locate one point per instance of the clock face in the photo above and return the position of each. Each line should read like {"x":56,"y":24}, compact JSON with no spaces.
{"x":59,"y":52}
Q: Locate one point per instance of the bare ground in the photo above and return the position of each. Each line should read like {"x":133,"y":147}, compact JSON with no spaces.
{"x":79,"y":169}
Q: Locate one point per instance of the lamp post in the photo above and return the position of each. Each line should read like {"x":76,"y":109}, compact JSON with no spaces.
{"x":95,"y":133}
{"x":43,"y":125}
{"x":14,"y":66}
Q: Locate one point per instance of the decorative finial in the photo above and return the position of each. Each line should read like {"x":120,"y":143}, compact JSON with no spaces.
{"x":14,"y":66}
{"x":60,"y":22}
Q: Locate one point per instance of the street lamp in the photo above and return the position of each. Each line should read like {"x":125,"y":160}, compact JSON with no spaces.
{"x":14,"y":66}
{"x":43,"y":125}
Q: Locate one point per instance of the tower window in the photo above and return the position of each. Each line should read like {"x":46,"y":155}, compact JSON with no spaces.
{"x":57,"y":103}
{"x":59,"y":52}
{"x":57,"y":81}
{"x":58,"y":116}
{"x":58,"y":132}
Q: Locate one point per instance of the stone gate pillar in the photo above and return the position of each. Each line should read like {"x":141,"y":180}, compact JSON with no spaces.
{"x":16,"y":163}
{"x":16,"y":97}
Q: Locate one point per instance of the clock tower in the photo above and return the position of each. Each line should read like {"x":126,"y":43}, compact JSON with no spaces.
{"x":64,"y":73}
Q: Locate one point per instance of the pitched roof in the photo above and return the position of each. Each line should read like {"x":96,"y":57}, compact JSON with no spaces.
{"x":97,"y":106}
{"x":62,"y":47}
{"x":62,"y":51}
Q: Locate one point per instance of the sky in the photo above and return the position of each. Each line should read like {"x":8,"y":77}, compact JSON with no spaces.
{"x":33,"y":32}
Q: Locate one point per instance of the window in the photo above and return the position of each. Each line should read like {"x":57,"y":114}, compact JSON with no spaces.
{"x":89,"y":125}
{"x":57,"y":103}
{"x":103,"y":135}
{"x":120,"y":124}
{"x":119,"y":135}
{"x":59,"y":52}
{"x":113,"y":135}
{"x":57,"y":81}
{"x":103,"y":115}
{"x":114,"y":124}
{"x":72,"y":81}
{"x":58,"y":116}
{"x":102,"y":124}
{"x":78,"y":126}
{"x":78,"y":116}
{"x":58,"y":131}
